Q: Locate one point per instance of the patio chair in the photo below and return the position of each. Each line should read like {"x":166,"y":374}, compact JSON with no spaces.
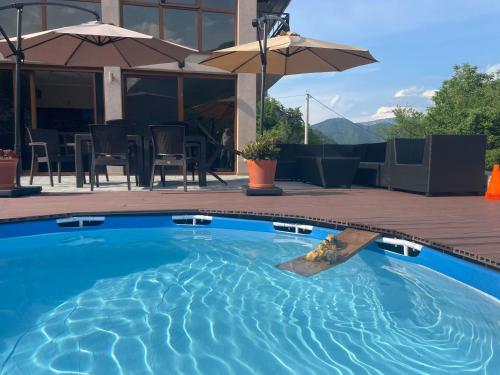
{"x":46,"y":148}
{"x":169,"y":149}
{"x":216,"y":153}
{"x":110,"y":147}
{"x":192,"y":157}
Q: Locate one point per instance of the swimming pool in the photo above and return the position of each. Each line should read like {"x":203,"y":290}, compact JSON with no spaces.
{"x":144,"y":295}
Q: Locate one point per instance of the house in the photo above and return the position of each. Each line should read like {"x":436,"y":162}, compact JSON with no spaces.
{"x":70,"y":99}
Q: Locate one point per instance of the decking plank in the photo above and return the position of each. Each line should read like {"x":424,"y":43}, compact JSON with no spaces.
{"x":468,"y":224}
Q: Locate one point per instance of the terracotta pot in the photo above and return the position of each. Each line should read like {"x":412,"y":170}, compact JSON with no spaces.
{"x":261,"y":173}
{"x":7,"y":173}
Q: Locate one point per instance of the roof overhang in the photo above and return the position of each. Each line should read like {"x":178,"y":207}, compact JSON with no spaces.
{"x":272,"y":6}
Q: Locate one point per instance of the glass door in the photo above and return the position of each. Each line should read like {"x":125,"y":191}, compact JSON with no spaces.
{"x":151,"y":100}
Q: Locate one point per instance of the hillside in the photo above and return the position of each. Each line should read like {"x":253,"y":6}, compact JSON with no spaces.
{"x":347,"y":132}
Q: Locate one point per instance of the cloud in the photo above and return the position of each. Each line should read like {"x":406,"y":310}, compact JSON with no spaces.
{"x":429,"y":94}
{"x":415,"y":92}
{"x":493,"y":69}
{"x":334,"y":100}
{"x":383,"y":112}
{"x":412,"y":91}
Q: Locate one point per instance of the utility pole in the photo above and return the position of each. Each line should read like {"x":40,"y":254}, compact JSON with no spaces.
{"x":306,"y":127}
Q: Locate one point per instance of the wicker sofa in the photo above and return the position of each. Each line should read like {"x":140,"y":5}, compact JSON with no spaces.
{"x":438,"y":164}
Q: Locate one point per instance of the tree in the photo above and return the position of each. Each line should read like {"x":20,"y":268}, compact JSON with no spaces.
{"x":467,"y":103}
{"x":286,"y":124}
{"x":409,"y":124}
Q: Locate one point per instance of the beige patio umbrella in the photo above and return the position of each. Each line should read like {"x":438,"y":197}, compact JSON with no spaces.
{"x":288,"y":53}
{"x":96,"y":44}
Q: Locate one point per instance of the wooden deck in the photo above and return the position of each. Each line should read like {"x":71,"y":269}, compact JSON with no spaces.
{"x":466,"y":226}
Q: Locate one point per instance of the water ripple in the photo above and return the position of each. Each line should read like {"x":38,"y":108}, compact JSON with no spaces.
{"x":211,"y":302}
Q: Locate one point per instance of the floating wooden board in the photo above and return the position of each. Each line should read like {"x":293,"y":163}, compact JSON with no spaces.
{"x":349,"y":243}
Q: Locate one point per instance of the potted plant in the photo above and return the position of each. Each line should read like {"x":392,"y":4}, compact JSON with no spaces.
{"x":261,"y":156}
{"x":8,"y":166}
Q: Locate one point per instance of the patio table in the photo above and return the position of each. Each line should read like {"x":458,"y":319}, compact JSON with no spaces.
{"x":143,"y":157}
{"x":81,"y":138}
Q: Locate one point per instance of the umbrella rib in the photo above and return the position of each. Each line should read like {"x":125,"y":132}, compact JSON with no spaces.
{"x":244,"y":63}
{"x":357,"y":55}
{"x":215,"y":57}
{"x":154,"y":49}
{"x":40,"y":43}
{"x":329,"y":63}
{"x":286,"y":63}
{"x":121,"y":54}
{"x":73,"y":53}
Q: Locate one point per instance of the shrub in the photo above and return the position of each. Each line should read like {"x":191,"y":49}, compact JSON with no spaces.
{"x":492,"y":158}
{"x":264,"y":148}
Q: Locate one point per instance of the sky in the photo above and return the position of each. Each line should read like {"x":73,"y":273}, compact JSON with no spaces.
{"x":417,"y":43}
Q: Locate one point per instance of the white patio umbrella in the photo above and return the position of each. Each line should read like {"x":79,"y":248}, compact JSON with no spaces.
{"x":96,"y":44}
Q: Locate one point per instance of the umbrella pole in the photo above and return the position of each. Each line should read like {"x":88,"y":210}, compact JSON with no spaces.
{"x":17,"y":112}
{"x":262,"y":97}
{"x":263,"y":58}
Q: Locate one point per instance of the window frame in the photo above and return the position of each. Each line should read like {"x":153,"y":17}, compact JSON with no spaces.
{"x":43,"y":10}
{"x":198,"y":7}
{"x":139,"y":73}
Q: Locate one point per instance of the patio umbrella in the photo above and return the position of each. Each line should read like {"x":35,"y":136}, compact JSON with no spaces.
{"x":217,"y":109}
{"x":286,"y":54}
{"x":96,"y":44}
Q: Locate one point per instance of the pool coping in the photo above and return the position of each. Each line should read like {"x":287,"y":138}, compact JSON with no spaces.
{"x":267,"y":216}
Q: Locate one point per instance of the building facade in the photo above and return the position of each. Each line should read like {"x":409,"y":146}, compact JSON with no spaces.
{"x":70,"y":99}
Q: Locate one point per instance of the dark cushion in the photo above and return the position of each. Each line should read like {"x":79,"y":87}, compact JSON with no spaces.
{"x":309,"y":150}
{"x":288,"y":151}
{"x":409,"y":151}
{"x":339,"y":150}
{"x":375,"y":152}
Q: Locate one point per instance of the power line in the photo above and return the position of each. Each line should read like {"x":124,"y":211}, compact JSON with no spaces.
{"x":286,"y":97}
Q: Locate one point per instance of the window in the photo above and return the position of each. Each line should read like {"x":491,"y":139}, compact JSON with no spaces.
{"x":230,"y":4}
{"x":67,"y":101}
{"x":190,"y":2}
{"x":6,"y":109}
{"x":218,"y":31}
{"x":142,"y":19}
{"x":56,"y":16}
{"x":151,"y":100}
{"x":32,"y":20}
{"x":181,"y":27}
{"x":204,"y":25}
{"x":62,"y":16}
{"x":210,"y":103}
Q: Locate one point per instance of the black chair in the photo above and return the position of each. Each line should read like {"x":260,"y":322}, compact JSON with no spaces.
{"x":169,"y":149}
{"x":287,"y":168}
{"x":110,"y":147}
{"x":47,"y":148}
{"x":193,"y":157}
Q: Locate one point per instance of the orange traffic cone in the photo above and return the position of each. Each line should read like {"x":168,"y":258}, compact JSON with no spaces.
{"x":493,"y":192}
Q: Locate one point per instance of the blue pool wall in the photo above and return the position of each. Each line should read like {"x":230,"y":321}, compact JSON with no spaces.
{"x":482,"y":278}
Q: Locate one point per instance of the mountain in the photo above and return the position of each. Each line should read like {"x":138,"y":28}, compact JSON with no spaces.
{"x":382,"y":121}
{"x":344,"y":131}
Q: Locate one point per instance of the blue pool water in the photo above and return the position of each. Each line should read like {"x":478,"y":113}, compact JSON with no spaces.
{"x":210,"y":301}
